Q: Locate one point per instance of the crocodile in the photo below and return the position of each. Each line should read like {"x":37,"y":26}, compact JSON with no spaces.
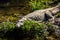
{"x":40,"y":15}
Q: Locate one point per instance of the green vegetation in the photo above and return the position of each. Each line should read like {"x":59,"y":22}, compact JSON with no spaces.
{"x":34,"y":29}
{"x":32,"y":24}
{"x":5,"y":26}
{"x":39,"y":4}
{"x":31,"y":29}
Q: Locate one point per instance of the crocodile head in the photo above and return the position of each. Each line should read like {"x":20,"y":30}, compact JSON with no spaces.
{"x":20,"y":22}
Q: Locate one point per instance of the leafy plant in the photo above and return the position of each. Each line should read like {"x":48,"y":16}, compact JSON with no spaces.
{"x":33,"y":28}
{"x":30,"y":24}
{"x":7,"y":25}
{"x":39,"y":4}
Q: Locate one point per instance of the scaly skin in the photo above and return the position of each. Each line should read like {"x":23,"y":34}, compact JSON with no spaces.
{"x":40,"y":15}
